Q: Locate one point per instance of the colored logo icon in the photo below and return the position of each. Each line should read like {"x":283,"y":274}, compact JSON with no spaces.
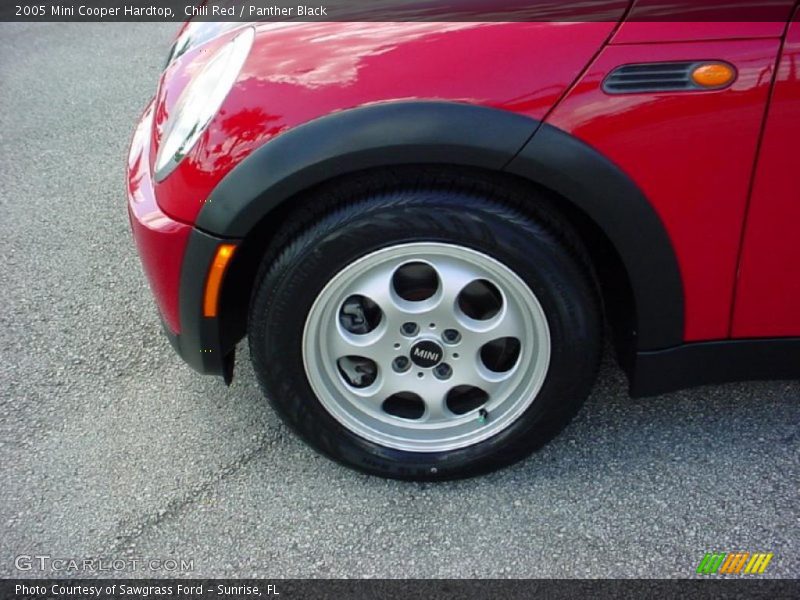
{"x":734,"y":563}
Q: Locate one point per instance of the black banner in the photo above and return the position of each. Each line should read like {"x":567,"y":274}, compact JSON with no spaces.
{"x":289,"y":589}
{"x":394,"y":10}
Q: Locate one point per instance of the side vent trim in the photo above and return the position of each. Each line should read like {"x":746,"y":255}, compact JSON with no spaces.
{"x":661,"y":77}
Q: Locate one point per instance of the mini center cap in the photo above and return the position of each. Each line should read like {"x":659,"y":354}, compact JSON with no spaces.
{"x":426,"y":354}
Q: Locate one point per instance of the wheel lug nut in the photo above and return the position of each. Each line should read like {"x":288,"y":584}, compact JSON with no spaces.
{"x":409,"y":329}
{"x":451,"y":336}
{"x":443,"y":371}
{"x":401,"y":364}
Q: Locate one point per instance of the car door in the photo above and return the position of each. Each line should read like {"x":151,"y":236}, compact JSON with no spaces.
{"x":768,"y":287}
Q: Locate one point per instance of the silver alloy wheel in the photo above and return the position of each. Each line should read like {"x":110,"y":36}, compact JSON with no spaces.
{"x":401,"y":347}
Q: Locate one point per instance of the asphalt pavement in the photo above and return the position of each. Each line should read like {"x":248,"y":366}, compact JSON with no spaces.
{"x":110,"y":447}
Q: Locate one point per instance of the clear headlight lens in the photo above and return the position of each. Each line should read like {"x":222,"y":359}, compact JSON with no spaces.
{"x":196,"y":34}
{"x":200,"y":101}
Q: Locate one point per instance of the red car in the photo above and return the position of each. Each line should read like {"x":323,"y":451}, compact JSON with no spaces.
{"x":425,"y":230}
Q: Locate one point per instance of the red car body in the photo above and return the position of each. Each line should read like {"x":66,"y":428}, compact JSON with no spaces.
{"x":694,"y":193}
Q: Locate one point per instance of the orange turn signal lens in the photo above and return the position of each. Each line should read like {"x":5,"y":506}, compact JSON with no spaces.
{"x":214,"y":280}
{"x":713,"y":75}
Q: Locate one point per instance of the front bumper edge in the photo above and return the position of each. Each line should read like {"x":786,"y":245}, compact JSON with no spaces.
{"x":201,"y":342}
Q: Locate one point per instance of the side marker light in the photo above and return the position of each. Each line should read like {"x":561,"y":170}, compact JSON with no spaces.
{"x":713,"y":75}
{"x":214,"y":281}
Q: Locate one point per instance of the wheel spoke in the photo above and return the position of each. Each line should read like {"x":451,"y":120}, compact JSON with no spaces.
{"x":454,"y":278}
{"x":478,"y":333}
{"x":509,"y":324}
{"x":370,"y":346}
{"x":436,"y":410}
{"x":377,"y":285}
{"x":488,"y":382}
{"x":392,"y":384}
{"x":344,"y":345}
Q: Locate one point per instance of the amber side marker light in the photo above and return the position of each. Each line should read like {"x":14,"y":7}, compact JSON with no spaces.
{"x":215,"y":274}
{"x":713,"y":75}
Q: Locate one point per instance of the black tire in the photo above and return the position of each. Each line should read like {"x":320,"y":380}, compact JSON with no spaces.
{"x":537,"y":245}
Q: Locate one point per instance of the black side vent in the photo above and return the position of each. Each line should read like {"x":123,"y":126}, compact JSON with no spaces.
{"x":653,"y":77}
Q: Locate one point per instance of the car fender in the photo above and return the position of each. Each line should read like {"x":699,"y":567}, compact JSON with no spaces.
{"x":460,"y":134}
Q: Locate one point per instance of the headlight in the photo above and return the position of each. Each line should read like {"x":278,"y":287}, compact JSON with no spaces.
{"x":200,"y":101}
{"x":196,"y":34}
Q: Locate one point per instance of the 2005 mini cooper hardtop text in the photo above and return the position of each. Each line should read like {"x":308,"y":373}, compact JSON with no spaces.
{"x":424,"y":229}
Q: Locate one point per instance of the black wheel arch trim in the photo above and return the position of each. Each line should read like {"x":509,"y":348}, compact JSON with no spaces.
{"x":466,"y":135}
{"x":378,"y":135}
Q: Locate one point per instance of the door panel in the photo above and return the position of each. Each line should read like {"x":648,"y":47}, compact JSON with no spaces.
{"x":768,"y":291}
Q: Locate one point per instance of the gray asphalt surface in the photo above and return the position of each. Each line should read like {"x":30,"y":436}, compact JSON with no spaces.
{"x":111,"y":447}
